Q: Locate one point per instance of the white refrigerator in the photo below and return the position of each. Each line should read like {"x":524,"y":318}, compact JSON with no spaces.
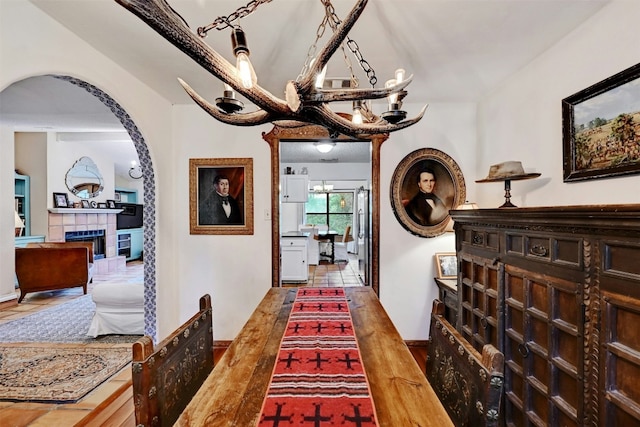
{"x":363,"y":226}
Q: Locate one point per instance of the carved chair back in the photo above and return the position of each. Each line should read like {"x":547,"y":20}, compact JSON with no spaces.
{"x":468,"y":384}
{"x":167,"y":377}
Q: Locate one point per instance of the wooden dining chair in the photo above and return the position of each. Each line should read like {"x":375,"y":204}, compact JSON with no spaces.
{"x":166,"y":377}
{"x":468,"y":384}
{"x":340,"y":247}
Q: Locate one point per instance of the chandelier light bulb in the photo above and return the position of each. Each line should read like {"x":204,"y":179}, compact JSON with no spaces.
{"x":245,"y":70}
{"x":246,"y":73}
{"x":400,"y":75}
{"x":392,"y":97}
{"x":133,"y":163}
{"x":357,"y":113}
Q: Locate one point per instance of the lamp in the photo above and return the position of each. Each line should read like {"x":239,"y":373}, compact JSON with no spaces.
{"x":465,"y":206}
{"x":246,"y":73}
{"x":325,"y":146}
{"x":306,"y":100}
{"x":19,"y":225}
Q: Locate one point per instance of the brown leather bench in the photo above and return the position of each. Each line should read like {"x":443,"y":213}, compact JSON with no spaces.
{"x":53,"y":266}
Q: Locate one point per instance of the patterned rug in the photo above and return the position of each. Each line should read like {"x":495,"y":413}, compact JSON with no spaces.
{"x":63,"y":323}
{"x":57,"y":373}
{"x":318,"y":378}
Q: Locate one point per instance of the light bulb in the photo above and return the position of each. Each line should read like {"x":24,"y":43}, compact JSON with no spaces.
{"x":399,"y":75}
{"x":133,"y":163}
{"x":245,"y":70}
{"x":392,"y":97}
{"x":357,"y":113}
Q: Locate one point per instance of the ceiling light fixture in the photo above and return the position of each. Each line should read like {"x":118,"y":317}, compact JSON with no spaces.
{"x":136,"y":171}
{"x":304,"y":101}
{"x":325,"y":146}
{"x":324,"y":188}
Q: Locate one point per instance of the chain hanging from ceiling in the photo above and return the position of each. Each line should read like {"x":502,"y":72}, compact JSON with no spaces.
{"x":305,"y":101}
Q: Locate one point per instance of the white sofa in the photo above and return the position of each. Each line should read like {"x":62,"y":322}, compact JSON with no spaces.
{"x":119,"y":309}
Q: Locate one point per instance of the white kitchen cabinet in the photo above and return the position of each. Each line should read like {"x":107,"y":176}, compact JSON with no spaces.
{"x":293,"y":254}
{"x":294,"y":189}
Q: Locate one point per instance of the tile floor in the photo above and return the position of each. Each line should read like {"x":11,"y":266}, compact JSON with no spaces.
{"x":22,"y":414}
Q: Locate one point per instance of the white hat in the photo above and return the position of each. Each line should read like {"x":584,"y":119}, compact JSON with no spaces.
{"x":507,"y":171}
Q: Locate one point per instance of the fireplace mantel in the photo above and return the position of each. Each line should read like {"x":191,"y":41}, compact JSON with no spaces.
{"x":84,"y":210}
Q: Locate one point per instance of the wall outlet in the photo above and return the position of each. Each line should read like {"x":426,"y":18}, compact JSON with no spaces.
{"x":267,"y":215}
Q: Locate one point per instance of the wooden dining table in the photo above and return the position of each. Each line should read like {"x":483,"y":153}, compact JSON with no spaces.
{"x":233,"y":393}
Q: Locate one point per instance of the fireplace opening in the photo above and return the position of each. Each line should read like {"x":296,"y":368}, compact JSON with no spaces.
{"x":95,"y":236}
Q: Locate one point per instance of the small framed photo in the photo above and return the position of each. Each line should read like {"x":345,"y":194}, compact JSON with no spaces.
{"x":102,"y":205}
{"x":117,"y":197}
{"x":446,"y":265}
{"x":60,"y":200}
{"x":85,"y":204}
{"x":111,"y":204}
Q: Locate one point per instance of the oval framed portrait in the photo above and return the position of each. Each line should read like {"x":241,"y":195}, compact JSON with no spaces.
{"x":426,"y":184}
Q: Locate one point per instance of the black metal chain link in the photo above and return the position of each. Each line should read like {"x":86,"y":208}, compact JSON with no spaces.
{"x":222,"y":22}
{"x":334,"y":22}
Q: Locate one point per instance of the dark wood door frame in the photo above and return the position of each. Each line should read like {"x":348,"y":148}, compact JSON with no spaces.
{"x":315,"y":133}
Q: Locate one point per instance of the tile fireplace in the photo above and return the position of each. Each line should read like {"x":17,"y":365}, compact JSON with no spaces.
{"x":90,"y":224}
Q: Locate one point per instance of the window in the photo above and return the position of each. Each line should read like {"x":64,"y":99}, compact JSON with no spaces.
{"x":334,"y":209}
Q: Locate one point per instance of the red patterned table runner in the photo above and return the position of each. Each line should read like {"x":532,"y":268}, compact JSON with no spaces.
{"x":318,"y":379}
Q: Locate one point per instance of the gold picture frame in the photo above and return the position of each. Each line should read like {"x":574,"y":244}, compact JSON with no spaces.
{"x":446,"y":265}
{"x":213,"y":213}
{"x":449,"y":191}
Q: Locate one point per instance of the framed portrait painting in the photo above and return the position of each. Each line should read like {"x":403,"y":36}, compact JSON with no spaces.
{"x":221,"y":196}
{"x":446,"y":265}
{"x":601,"y":128}
{"x":426,"y":184}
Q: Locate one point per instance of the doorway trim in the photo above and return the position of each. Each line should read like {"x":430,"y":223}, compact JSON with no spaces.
{"x":315,"y":133}
{"x":149,"y":209}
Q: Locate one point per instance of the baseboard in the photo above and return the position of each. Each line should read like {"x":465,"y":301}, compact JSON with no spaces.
{"x":416,"y":343}
{"x":221,"y":344}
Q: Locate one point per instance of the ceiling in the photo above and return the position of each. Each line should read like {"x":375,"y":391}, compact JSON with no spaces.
{"x":457,"y":50}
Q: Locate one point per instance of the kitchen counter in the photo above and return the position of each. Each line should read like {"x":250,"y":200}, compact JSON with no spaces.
{"x":295,"y":234}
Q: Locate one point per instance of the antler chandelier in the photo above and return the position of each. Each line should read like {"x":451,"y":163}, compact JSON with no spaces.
{"x":306,"y":100}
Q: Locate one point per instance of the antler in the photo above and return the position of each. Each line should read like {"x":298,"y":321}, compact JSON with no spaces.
{"x":304,"y":103}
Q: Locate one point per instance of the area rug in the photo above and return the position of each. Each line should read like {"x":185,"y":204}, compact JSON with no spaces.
{"x":63,"y":323}
{"x":57,"y":373}
{"x":318,"y":378}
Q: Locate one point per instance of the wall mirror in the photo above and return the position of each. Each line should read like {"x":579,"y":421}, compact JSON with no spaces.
{"x":315,"y":133}
{"x":84,"y":179}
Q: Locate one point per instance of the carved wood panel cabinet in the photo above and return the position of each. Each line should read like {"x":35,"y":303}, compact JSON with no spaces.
{"x":557,"y":290}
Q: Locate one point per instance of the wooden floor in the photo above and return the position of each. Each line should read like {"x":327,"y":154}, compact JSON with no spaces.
{"x":111,"y":404}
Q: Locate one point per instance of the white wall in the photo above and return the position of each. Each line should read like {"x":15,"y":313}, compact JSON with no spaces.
{"x":407,"y":268}
{"x":235,"y":269}
{"x":522,"y":120}
{"x":44,"y":47}
{"x":7,"y":252}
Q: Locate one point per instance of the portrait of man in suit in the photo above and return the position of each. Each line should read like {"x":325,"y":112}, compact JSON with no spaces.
{"x":220,"y":197}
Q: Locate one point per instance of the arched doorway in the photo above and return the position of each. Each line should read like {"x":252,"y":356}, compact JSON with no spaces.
{"x":149,"y":195}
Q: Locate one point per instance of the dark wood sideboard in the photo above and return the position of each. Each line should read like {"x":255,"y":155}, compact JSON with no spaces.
{"x":557,"y":290}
